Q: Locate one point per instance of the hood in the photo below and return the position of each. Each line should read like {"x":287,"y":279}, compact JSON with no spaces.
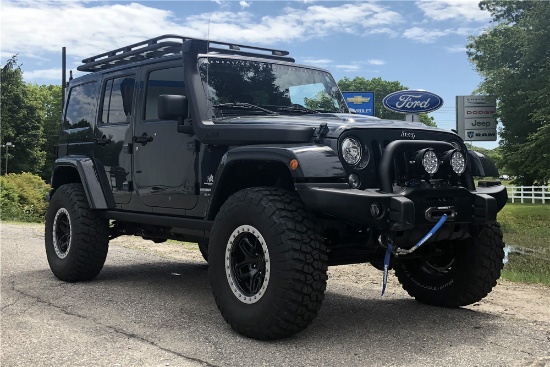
{"x":336,"y":122}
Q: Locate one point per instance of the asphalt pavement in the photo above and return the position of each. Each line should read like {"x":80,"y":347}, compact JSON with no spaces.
{"x":150,"y":310}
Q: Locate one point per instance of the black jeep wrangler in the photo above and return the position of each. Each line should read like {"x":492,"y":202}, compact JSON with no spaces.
{"x":260,"y":162}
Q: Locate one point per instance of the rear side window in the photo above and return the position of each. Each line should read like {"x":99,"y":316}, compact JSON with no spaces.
{"x":118,"y":94}
{"x":81,"y":107}
{"x":165,"y":81}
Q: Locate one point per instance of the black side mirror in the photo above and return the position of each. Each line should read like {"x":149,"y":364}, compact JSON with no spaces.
{"x":174,"y":107}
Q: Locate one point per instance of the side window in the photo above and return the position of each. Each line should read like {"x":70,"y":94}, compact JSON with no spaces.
{"x":165,"y":81}
{"x":117,"y":100}
{"x":81,"y":107}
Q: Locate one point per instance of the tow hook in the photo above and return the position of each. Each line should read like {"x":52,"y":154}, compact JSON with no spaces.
{"x":386,"y":242}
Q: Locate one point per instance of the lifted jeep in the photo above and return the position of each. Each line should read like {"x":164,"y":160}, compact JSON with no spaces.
{"x":260,"y":162}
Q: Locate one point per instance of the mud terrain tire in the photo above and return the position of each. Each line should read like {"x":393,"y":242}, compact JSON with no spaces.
{"x":267,"y":263}
{"x":465,"y":277}
{"x":77,"y":238}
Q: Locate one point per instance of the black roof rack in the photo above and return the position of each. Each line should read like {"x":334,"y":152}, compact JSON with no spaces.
{"x":168,"y":45}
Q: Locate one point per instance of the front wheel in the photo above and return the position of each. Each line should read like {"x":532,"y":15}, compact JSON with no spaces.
{"x":267,"y":264}
{"x":455,"y":273}
{"x":77,"y":238}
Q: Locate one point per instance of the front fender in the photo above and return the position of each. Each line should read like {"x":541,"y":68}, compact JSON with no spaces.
{"x":316,"y":163}
{"x":481,"y":165}
{"x":83,"y":169}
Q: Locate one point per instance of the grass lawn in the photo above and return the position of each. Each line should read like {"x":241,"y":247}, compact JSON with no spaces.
{"x":526,"y":228}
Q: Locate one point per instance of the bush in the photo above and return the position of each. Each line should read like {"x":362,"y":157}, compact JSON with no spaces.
{"x":22,"y":197}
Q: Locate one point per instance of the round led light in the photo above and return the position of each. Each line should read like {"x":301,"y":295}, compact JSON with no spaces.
{"x":430,"y":162}
{"x":351,"y":151}
{"x":458,"y":163}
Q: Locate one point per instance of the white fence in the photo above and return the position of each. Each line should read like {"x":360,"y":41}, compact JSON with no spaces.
{"x":529,"y":194}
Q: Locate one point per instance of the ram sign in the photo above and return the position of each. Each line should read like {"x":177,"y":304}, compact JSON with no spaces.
{"x":475,"y":117}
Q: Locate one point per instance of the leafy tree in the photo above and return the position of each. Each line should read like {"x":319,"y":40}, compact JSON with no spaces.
{"x":381,"y":88}
{"x":48,"y":98}
{"x":513,"y":58}
{"x":21,"y":120}
{"x":321,"y":102}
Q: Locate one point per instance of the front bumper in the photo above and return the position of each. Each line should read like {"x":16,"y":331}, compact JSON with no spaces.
{"x":403,"y":210}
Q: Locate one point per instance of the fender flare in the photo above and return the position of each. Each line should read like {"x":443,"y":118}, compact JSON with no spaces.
{"x":481,"y":165}
{"x":314,"y":162}
{"x":94,"y":180}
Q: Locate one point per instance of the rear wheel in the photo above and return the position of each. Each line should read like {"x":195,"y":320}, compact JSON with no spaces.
{"x":267,"y":264}
{"x":77,"y":238}
{"x":456,"y":273}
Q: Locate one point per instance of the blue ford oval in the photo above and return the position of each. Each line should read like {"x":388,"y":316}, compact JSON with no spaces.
{"x":412,"y":101}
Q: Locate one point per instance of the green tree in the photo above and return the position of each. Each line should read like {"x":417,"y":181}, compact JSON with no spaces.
{"x":48,"y":98}
{"x":21,"y":121}
{"x":381,"y":88}
{"x":513,"y":57}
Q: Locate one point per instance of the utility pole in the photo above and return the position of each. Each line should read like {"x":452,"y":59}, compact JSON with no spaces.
{"x":7,"y":145}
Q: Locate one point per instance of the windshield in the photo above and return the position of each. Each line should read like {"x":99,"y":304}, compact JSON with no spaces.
{"x":239,"y":87}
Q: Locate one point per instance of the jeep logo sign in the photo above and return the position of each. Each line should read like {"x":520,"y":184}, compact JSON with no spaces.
{"x":412,"y":101}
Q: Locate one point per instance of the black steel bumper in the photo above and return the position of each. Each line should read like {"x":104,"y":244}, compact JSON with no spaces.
{"x":404,"y":210}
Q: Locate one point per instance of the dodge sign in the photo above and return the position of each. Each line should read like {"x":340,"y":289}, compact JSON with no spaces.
{"x":475,"y":117}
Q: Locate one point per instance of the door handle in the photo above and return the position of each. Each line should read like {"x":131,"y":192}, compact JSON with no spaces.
{"x":143,"y":139}
{"x":103,"y":141}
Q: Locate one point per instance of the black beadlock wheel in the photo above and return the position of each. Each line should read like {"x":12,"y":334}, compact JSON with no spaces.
{"x":267,"y":263}
{"x":458,"y":273}
{"x":77,"y":238}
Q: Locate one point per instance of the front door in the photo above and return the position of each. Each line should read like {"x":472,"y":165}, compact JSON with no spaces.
{"x":113,"y":133}
{"x":164,"y":160}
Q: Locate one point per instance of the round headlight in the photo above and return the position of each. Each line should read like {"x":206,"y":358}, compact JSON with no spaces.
{"x":458,"y":163}
{"x":351,"y":151}
{"x":430,"y":161}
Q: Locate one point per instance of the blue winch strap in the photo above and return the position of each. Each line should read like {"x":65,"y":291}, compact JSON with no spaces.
{"x":431,"y":232}
{"x":389,"y":250}
{"x":386,"y":266}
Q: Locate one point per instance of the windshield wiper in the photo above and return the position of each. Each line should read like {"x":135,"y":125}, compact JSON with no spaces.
{"x":296,"y":108}
{"x":244,"y":106}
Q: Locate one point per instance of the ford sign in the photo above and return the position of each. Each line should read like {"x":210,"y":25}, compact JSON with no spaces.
{"x":412,"y":101}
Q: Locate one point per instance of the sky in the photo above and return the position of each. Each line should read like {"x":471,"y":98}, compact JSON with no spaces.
{"x":421,"y":44}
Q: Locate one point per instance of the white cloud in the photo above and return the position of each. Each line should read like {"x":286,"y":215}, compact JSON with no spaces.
{"x":387,"y":31}
{"x":88,"y":28}
{"x":456,"y":49}
{"x":317,"y":62}
{"x":49,"y":74}
{"x":52,"y":74}
{"x":348,"y":67}
{"x":244,"y":4}
{"x":425,"y":35}
{"x":463,"y":10}
{"x":376,"y":62}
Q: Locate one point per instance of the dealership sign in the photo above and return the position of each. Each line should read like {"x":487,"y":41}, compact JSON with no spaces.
{"x":361,"y":102}
{"x":475,"y":118}
{"x":412,"y":101}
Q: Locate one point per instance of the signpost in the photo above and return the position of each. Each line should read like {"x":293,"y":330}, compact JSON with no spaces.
{"x":475,"y":119}
{"x":361,"y":102}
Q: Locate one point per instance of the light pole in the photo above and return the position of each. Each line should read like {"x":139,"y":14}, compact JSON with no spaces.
{"x":8,"y":145}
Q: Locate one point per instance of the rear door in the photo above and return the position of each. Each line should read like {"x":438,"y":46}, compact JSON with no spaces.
{"x":164,"y":160}
{"x":113,"y":132}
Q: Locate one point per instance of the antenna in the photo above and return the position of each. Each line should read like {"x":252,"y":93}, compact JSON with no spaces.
{"x":207,"y":66}
{"x":63,"y":75}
